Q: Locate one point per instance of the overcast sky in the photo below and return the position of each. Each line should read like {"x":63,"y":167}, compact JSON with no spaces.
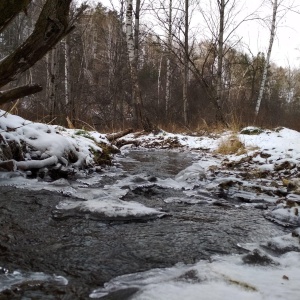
{"x":286,"y":47}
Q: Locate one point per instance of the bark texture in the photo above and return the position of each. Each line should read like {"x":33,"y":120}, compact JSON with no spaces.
{"x":19,"y":92}
{"x":10,"y":9}
{"x":52,"y":25}
{"x":132,"y":48}
{"x":267,"y":61}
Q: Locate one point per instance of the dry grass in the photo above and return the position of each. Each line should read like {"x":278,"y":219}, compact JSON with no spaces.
{"x":231,"y":145}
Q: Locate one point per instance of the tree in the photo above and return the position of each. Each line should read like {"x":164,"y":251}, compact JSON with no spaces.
{"x":186,"y":62}
{"x":133,"y":52}
{"x":52,"y":25}
{"x":267,"y":61}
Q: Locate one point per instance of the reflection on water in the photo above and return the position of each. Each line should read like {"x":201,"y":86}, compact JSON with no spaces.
{"x":160,"y":163}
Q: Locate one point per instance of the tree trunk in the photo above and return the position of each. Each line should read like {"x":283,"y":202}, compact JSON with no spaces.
{"x":67,"y":79}
{"x":186,"y":61}
{"x":168,"y":75}
{"x":267,"y":61}
{"x":53,"y":82}
{"x":220,"y":55}
{"x":51,"y":27}
{"x":132,"y":48}
{"x":10,"y":9}
{"x":159,"y":82}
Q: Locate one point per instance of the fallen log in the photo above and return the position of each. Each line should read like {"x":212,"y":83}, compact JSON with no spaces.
{"x":37,"y":164}
{"x":114,"y":136}
{"x":8,"y":165}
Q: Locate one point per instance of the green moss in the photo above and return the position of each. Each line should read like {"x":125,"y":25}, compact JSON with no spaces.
{"x":104,"y":157}
{"x":85,"y":134}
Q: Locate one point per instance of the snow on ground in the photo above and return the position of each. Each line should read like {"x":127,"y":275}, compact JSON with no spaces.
{"x":275,"y":153}
{"x":43,"y":141}
{"x":224,"y":277}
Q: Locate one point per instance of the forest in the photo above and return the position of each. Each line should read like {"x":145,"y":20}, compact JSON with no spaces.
{"x":144,"y":65}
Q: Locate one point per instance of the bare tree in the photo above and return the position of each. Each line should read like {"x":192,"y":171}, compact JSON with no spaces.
{"x":267,"y":61}
{"x":169,"y":50}
{"x":186,"y":62}
{"x":52,"y":25}
{"x":133,"y":52}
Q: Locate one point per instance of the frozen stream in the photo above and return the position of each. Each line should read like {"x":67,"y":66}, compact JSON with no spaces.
{"x":45,"y":231}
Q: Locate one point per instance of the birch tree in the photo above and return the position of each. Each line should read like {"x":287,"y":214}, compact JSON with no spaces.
{"x":133,"y":52}
{"x":267,"y":61}
{"x":169,"y":52}
{"x":220,"y":53}
{"x":186,"y":62}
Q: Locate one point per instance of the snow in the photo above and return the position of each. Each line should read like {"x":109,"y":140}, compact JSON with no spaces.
{"x":111,"y":208}
{"x":44,"y":141}
{"x":225,"y":277}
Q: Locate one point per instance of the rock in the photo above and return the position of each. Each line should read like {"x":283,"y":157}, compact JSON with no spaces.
{"x":190,"y":276}
{"x":261,"y":206}
{"x":284,"y":216}
{"x":296,"y":233}
{"x":250,"y":130}
{"x":265,"y":155}
{"x":257,"y":257}
{"x":283,"y":244}
{"x":284,"y":165}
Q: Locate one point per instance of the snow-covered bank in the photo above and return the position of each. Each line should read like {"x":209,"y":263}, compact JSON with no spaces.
{"x":271,"y":162}
{"x":265,"y":176}
{"x":37,"y":145}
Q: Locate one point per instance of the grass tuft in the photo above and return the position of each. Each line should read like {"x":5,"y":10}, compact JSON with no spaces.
{"x":231,"y":145}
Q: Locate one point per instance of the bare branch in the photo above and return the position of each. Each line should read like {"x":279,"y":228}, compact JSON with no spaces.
{"x":19,"y":92}
{"x":51,"y":27}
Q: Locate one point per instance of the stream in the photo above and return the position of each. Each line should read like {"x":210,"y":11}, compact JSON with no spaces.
{"x":46,"y":254}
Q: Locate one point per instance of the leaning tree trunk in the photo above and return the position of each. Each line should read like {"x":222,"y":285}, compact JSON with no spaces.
{"x":267,"y":61}
{"x":10,"y":9}
{"x":51,"y":26}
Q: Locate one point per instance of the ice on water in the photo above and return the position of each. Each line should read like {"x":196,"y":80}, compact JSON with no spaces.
{"x":8,"y":280}
{"x":224,"y":277}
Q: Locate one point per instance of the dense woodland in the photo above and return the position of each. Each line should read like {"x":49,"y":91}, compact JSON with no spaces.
{"x":175,"y":79}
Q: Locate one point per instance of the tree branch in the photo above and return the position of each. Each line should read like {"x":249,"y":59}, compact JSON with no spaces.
{"x":51,"y":26}
{"x":19,"y":92}
{"x":10,"y":9}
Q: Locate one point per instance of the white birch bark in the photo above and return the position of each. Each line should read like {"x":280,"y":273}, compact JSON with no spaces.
{"x":186,"y":67}
{"x":67,"y":71}
{"x":159,"y":82}
{"x":267,"y":61}
{"x":221,"y":4}
{"x":168,"y":75}
{"x":129,"y":31}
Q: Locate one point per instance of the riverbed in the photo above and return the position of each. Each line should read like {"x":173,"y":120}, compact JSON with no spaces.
{"x":49,"y":251}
